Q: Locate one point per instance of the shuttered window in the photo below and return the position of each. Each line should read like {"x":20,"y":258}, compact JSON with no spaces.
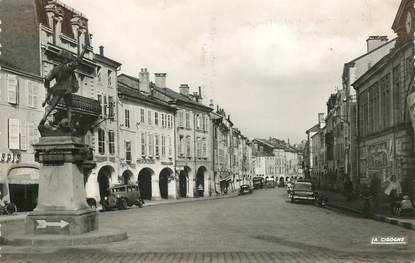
{"x":23,"y":135}
{"x":32,"y":89}
{"x":14,"y":134}
{"x":101,"y":141}
{"x":12,"y":89}
{"x":128,"y":155}
{"x":170,"y":147}
{"x":111,"y":142}
{"x":163,"y":146}
{"x":143,"y":144}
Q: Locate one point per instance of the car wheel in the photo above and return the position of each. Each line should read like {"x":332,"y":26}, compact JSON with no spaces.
{"x":122,"y":204}
{"x":139,"y":203}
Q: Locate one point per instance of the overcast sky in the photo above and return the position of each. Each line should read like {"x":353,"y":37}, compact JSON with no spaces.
{"x":271,"y":64}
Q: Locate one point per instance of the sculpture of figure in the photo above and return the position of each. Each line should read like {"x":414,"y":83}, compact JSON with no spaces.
{"x":66,"y":84}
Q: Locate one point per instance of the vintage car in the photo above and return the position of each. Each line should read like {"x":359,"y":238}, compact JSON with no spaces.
{"x":258,"y":182}
{"x":245,"y":189}
{"x":269,"y":183}
{"x":303,"y":191}
{"x":122,"y":196}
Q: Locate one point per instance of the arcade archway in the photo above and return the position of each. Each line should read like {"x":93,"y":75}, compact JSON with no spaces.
{"x":126,"y":177}
{"x":200,"y":181}
{"x":183,"y":181}
{"x":104,"y":176}
{"x":165,"y":174}
{"x":144,"y":183}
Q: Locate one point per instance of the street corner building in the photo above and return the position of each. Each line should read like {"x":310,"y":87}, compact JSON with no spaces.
{"x":385,"y":135}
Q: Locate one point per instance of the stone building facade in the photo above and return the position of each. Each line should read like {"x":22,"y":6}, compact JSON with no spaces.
{"x":385,"y":135}
{"x":193,"y":138}
{"x":21,"y":96}
{"x":146,"y":138}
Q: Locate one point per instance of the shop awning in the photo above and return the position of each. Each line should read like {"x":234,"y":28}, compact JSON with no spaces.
{"x":3,"y":179}
{"x":23,"y":175}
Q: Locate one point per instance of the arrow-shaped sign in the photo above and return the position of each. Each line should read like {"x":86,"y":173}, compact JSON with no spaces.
{"x":45,"y":224}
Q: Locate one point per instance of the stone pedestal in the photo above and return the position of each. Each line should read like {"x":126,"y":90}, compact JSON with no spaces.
{"x":62,"y":207}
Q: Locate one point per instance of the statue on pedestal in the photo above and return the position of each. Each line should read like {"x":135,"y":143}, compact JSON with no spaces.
{"x":66,"y":85}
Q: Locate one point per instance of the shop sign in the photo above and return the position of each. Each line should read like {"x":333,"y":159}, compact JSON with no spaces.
{"x":14,"y":157}
{"x":166,"y":163}
{"x":145,"y":161}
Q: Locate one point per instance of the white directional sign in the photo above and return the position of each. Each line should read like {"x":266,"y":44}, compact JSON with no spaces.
{"x":45,"y":224}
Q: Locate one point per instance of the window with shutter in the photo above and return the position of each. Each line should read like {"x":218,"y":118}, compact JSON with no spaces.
{"x":100,"y":102}
{"x":156,"y":137}
{"x":30,"y":93}
{"x":111,"y":106}
{"x":128,"y":155}
{"x":105,"y":105}
{"x":163,"y":146}
{"x":31,"y":127}
{"x":35,"y":94}
{"x":170,"y":147}
{"x":101,"y":141}
{"x":143,"y":144}
{"x":111,"y":142}
{"x":142,"y":115}
{"x":14,"y":134}
{"x":23,"y":135}
{"x":12,"y":89}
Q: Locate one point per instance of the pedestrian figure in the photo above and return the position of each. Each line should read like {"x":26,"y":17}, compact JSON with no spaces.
{"x":393,"y":190}
{"x":375,"y":188}
{"x":200,"y":190}
{"x":348,"y":189}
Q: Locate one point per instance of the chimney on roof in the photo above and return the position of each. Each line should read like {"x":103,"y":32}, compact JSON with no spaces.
{"x":211,"y":105}
{"x":374,"y":42}
{"x":160,"y":80}
{"x":144,"y":77}
{"x":184,"y":89}
{"x":200,"y":95}
{"x":101,"y":50}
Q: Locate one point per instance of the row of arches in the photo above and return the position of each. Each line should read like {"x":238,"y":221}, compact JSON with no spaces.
{"x":145,"y":184}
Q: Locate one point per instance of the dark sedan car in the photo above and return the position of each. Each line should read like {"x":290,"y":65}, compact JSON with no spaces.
{"x":303,"y":191}
{"x":258,"y":182}
{"x":245,"y":189}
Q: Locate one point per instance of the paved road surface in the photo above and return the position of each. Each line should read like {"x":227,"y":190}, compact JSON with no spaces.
{"x":262,"y":227}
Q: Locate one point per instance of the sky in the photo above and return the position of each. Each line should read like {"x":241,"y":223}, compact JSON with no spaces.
{"x":270,"y":64}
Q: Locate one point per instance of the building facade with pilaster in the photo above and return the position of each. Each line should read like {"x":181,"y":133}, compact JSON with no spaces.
{"x":385,"y":135}
{"x":146,"y":138}
{"x":193,"y":139}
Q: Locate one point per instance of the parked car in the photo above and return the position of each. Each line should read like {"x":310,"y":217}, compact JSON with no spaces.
{"x":122,"y":196}
{"x":270,"y":183}
{"x":245,"y":189}
{"x":303,"y":190}
{"x":258,"y":182}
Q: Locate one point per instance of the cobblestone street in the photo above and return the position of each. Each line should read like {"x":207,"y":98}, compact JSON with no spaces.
{"x":262,"y":227}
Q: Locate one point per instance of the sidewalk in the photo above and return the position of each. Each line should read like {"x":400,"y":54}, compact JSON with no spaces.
{"x":21,"y":216}
{"x":337,"y":200}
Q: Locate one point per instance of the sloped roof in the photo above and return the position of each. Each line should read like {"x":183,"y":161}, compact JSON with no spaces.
{"x":126,"y":90}
{"x":179,"y":97}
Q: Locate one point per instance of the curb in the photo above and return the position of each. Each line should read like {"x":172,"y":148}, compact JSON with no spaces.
{"x":12,"y":219}
{"x":190,"y":200}
{"x":377,"y":217}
